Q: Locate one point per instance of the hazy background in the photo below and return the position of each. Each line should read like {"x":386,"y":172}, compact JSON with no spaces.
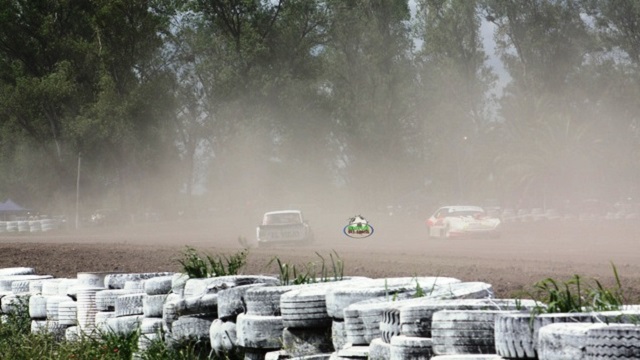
{"x":199,"y":108}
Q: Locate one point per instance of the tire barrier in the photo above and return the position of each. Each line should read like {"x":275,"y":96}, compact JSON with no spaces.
{"x":23,"y":226}
{"x":158,"y":285}
{"x":7,"y":281}
{"x":259,"y":332}
{"x":413,"y":317}
{"x":516,"y":333}
{"x":410,"y":348}
{"x":152,"y":305}
{"x":30,"y":226}
{"x":463,"y":331}
{"x":294,"y":322}
{"x":14,"y":303}
{"x":223,"y":336}
{"x":306,"y":341}
{"x":92,"y":279}
{"x":17,"y":271}
{"x":563,"y":341}
{"x":339,"y":297}
{"x":614,"y":341}
{"x":106,"y":299}
{"x":129,"y":304}
{"x":68,"y":313}
{"x":35,"y":226}
{"x":379,"y":350}
{"x":117,"y":281}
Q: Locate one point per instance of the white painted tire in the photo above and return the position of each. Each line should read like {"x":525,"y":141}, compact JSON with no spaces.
{"x":101,"y":318}
{"x":468,"y":357}
{"x":379,"y":350}
{"x":618,"y":341}
{"x":129,"y":304}
{"x":124,"y":325}
{"x":339,"y":297}
{"x":223,"y":336}
{"x":49,"y":287}
{"x":117,"y":281}
{"x":338,"y":335}
{"x":158,"y":286}
{"x":196,"y":287}
{"x":265,"y":300}
{"x":38,"y":307}
{"x":259,"y":332}
{"x":145,"y":340}
{"x":20,"y":287}
{"x":410,"y":348}
{"x":150,"y":325}
{"x":307,"y":341}
{"x":137,"y":286}
{"x":72,"y":334}
{"x":52,"y":306}
{"x":17,"y":271}
{"x":305,"y":308}
{"x":464,"y":331}
{"x":170,"y":313}
{"x":413,"y":317}
{"x":231,"y":302}
{"x":13,"y":304}
{"x":462,"y":290}
{"x":68,"y":313}
{"x":203,"y":304}
{"x":106,"y":299}
{"x":6,"y":281}
{"x":516,"y":333}
{"x":178,"y":282}
{"x":152,"y":305}
{"x":192,"y":327}
{"x":67,"y":287}
{"x":563,"y":341}
{"x":51,"y":327}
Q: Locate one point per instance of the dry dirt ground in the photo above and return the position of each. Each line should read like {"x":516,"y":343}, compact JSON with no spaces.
{"x":526,"y":252}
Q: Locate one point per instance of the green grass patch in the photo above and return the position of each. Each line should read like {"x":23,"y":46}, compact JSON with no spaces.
{"x":312,"y":272}
{"x":196,"y":265}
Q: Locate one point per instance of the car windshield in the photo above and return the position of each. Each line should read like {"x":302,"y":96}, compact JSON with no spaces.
{"x":280,"y":219}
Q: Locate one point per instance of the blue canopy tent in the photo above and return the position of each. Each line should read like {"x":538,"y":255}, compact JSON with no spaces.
{"x":10,"y":208}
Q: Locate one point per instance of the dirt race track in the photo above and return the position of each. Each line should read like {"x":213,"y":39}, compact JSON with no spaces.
{"x":526,"y":252}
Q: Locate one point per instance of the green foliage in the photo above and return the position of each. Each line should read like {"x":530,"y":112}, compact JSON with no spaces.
{"x":212,"y":266}
{"x":17,"y":342}
{"x":290,"y":274}
{"x":574,"y":295}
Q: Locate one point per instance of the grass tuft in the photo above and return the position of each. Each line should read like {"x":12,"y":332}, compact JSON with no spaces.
{"x":195,"y":266}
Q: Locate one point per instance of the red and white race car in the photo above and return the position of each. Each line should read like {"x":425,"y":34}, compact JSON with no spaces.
{"x":450,"y":221}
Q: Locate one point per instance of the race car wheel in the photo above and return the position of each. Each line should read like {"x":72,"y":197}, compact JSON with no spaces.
{"x":445,"y":232}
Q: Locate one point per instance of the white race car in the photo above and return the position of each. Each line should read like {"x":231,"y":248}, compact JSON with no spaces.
{"x":451,"y":221}
{"x":286,"y":226}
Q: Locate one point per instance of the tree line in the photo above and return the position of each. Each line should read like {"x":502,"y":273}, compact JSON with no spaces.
{"x":172,"y":104}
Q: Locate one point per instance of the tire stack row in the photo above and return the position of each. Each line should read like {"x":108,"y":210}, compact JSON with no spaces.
{"x":520,"y":336}
{"x":51,"y":306}
{"x":463,"y":327}
{"x":350,"y":329}
{"x":198,"y":309}
{"x":120,"y":306}
{"x":341,"y":320}
{"x":33,"y":226}
{"x":156,"y":291}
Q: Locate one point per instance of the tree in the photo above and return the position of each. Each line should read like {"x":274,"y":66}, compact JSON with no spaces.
{"x":83,"y":77}
{"x":369,"y":82}
{"x":454,"y":96}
